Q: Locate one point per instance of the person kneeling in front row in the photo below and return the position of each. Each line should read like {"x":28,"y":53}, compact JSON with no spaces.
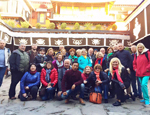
{"x":49,"y":79}
{"x":71,"y":83}
{"x":29,"y":84}
{"x":99,"y":81}
{"x":120,"y":80}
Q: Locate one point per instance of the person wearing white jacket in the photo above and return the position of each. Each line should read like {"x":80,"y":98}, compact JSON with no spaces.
{"x":4,"y":59}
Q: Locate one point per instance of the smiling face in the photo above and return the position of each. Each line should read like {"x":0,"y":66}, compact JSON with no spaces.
{"x":140,"y":49}
{"x":48,"y":65}
{"x":67,"y":64}
{"x":102,"y":50}
{"x":59,"y":58}
{"x":63,"y":52}
{"x":42,"y":52}
{"x":34,"y":47}
{"x":110,"y":51}
{"x":22,"y":47}
{"x":88,"y":70}
{"x":99,"y":55}
{"x":32,"y":68}
{"x":72,"y":53}
{"x":115,"y":64}
{"x":84,"y":53}
{"x":133,"y":49}
{"x":50,"y":52}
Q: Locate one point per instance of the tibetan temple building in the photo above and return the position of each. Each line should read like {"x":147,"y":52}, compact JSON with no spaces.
{"x":128,"y":18}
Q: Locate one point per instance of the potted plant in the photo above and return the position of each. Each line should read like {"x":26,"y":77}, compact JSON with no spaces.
{"x":25,"y":24}
{"x":63,"y":26}
{"x":38,"y":26}
{"x":76,"y":26}
{"x":98,"y":27}
{"x":114,"y":27}
{"x":51,"y":26}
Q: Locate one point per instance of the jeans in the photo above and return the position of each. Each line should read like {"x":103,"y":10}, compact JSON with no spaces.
{"x":15,"y":78}
{"x":49,"y":94}
{"x":144,"y":83}
{"x":134,"y":80}
{"x":2,"y":72}
{"x":101,"y":87}
{"x":33,"y":91}
{"x":79,"y":88}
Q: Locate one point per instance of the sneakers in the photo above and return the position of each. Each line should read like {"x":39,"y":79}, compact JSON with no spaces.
{"x":147,"y":103}
{"x":117,"y":103}
{"x":142,"y":101}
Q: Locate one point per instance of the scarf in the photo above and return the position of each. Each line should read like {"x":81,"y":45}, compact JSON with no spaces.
{"x":72,"y":57}
{"x":115,"y":70}
{"x":59,"y":65}
{"x":47,"y":77}
{"x":85,"y":57}
{"x":33,"y":72}
{"x":86,"y":75}
{"x":109,"y":55}
{"x":99,"y":61}
{"x":97,"y":76}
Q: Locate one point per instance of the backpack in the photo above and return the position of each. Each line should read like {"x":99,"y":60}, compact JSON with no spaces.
{"x":146,"y":55}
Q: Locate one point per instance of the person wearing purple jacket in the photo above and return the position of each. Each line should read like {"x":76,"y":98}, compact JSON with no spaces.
{"x":72,"y":83}
{"x":58,"y":63}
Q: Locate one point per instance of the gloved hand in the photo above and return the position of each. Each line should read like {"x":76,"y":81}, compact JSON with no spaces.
{"x":41,"y":64}
{"x":122,"y":85}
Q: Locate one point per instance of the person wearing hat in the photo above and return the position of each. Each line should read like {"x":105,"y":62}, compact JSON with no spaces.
{"x":29,"y":84}
{"x":95,"y":51}
{"x":40,"y":59}
{"x":72,"y":56}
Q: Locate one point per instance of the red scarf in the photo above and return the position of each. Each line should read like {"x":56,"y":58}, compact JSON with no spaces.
{"x":97,"y":76}
{"x":33,"y":72}
{"x":96,"y":62}
{"x":115,"y":70}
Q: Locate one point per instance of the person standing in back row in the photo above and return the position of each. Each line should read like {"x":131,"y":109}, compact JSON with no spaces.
{"x":4,"y":56}
{"x":137,"y":91}
{"x":19,"y":64}
{"x":32,"y":53}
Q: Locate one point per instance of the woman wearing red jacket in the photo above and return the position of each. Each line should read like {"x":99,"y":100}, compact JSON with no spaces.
{"x":141,"y":65}
{"x":49,"y":79}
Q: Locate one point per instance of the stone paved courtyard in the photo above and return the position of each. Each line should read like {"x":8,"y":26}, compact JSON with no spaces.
{"x":16,"y":107}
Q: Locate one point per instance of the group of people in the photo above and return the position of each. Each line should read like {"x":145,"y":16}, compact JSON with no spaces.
{"x":75,"y":75}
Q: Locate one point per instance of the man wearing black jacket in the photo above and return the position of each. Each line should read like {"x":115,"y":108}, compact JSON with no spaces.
{"x":19,"y":64}
{"x":126,"y":60}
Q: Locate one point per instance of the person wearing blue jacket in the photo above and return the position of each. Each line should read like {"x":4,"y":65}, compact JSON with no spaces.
{"x":29,"y":84}
{"x":84,"y":61}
